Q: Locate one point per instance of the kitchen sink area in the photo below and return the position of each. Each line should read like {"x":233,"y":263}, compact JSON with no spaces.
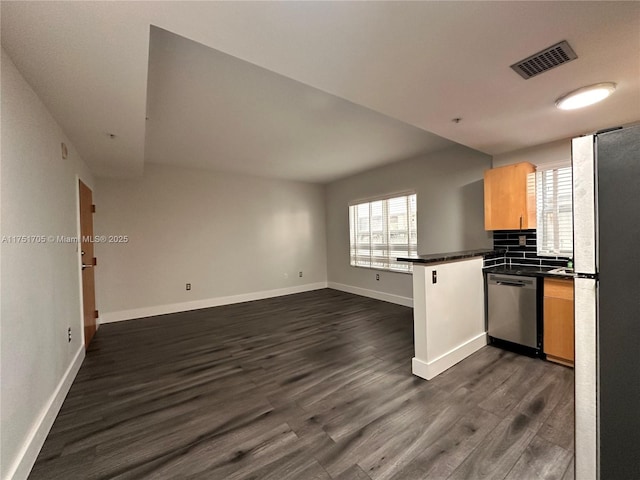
{"x":566,"y":271}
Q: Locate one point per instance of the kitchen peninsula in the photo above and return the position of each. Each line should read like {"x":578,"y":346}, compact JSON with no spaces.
{"x":448,"y":309}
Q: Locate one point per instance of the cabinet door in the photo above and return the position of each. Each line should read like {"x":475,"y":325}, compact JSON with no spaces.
{"x":558,"y":321}
{"x":509,"y":199}
{"x":558,"y":328}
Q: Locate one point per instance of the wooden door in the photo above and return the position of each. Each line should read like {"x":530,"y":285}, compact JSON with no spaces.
{"x":88,"y":263}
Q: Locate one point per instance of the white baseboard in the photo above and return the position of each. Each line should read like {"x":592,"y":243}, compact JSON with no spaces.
{"x":387,"y":297}
{"x":428,"y":370}
{"x":206,"y":303}
{"x":31,"y":448}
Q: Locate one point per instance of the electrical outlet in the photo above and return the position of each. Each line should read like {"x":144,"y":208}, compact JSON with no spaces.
{"x":188,"y":286}
{"x":522,"y":240}
{"x":378,"y":276}
{"x":69,"y":334}
{"x":300,"y":274}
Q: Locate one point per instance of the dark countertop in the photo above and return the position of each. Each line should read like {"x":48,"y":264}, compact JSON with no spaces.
{"x":526,"y":271}
{"x":447,"y":257}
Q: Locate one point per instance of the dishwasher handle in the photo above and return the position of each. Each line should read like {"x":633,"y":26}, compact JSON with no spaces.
{"x":510,"y":284}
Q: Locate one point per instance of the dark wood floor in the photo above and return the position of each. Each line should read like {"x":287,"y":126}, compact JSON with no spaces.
{"x":310,"y":386}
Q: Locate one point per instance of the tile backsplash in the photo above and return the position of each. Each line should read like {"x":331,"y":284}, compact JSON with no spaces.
{"x":520,"y":255}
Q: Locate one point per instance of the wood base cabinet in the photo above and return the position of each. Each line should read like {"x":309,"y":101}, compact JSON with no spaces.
{"x":558,"y":321}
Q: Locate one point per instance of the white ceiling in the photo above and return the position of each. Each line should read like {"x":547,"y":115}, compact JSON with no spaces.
{"x":207,"y":109}
{"x":422,"y":63}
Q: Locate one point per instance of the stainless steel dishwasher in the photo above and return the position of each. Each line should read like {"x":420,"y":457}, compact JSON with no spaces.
{"x":512,"y":313}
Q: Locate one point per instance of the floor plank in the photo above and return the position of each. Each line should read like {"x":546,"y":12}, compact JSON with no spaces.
{"x":441,"y":458}
{"x":499,"y":452}
{"x":316,"y":385}
{"x":570,"y":473}
{"x":541,"y":459}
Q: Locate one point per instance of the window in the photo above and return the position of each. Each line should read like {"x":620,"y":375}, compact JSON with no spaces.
{"x":555,"y":212}
{"x":382,"y":230}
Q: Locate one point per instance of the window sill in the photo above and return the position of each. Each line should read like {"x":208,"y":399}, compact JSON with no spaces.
{"x":377,"y":269}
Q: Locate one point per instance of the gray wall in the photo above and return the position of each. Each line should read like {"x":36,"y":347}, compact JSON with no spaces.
{"x":40,"y":285}
{"x":552,"y":153}
{"x":226,"y":234}
{"x":449,"y":188}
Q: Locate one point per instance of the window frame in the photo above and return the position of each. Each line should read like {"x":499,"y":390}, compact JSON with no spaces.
{"x":553,"y":210}
{"x":381,"y":255}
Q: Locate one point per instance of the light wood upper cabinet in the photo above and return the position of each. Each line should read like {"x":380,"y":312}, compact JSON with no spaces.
{"x":558,"y":321}
{"x":509,"y":198}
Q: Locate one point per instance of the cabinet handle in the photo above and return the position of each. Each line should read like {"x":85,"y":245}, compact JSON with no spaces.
{"x":520,"y":222}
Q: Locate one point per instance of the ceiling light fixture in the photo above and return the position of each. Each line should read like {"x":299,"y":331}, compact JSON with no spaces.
{"x":585,"y":96}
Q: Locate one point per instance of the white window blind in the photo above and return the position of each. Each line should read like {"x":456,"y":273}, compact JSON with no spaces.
{"x":554,"y":207}
{"x":382,"y":230}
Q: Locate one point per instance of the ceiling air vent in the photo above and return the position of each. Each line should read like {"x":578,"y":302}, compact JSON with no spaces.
{"x":547,"y":59}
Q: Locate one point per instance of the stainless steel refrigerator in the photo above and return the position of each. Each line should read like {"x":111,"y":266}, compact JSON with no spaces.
{"x":606,"y":218}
